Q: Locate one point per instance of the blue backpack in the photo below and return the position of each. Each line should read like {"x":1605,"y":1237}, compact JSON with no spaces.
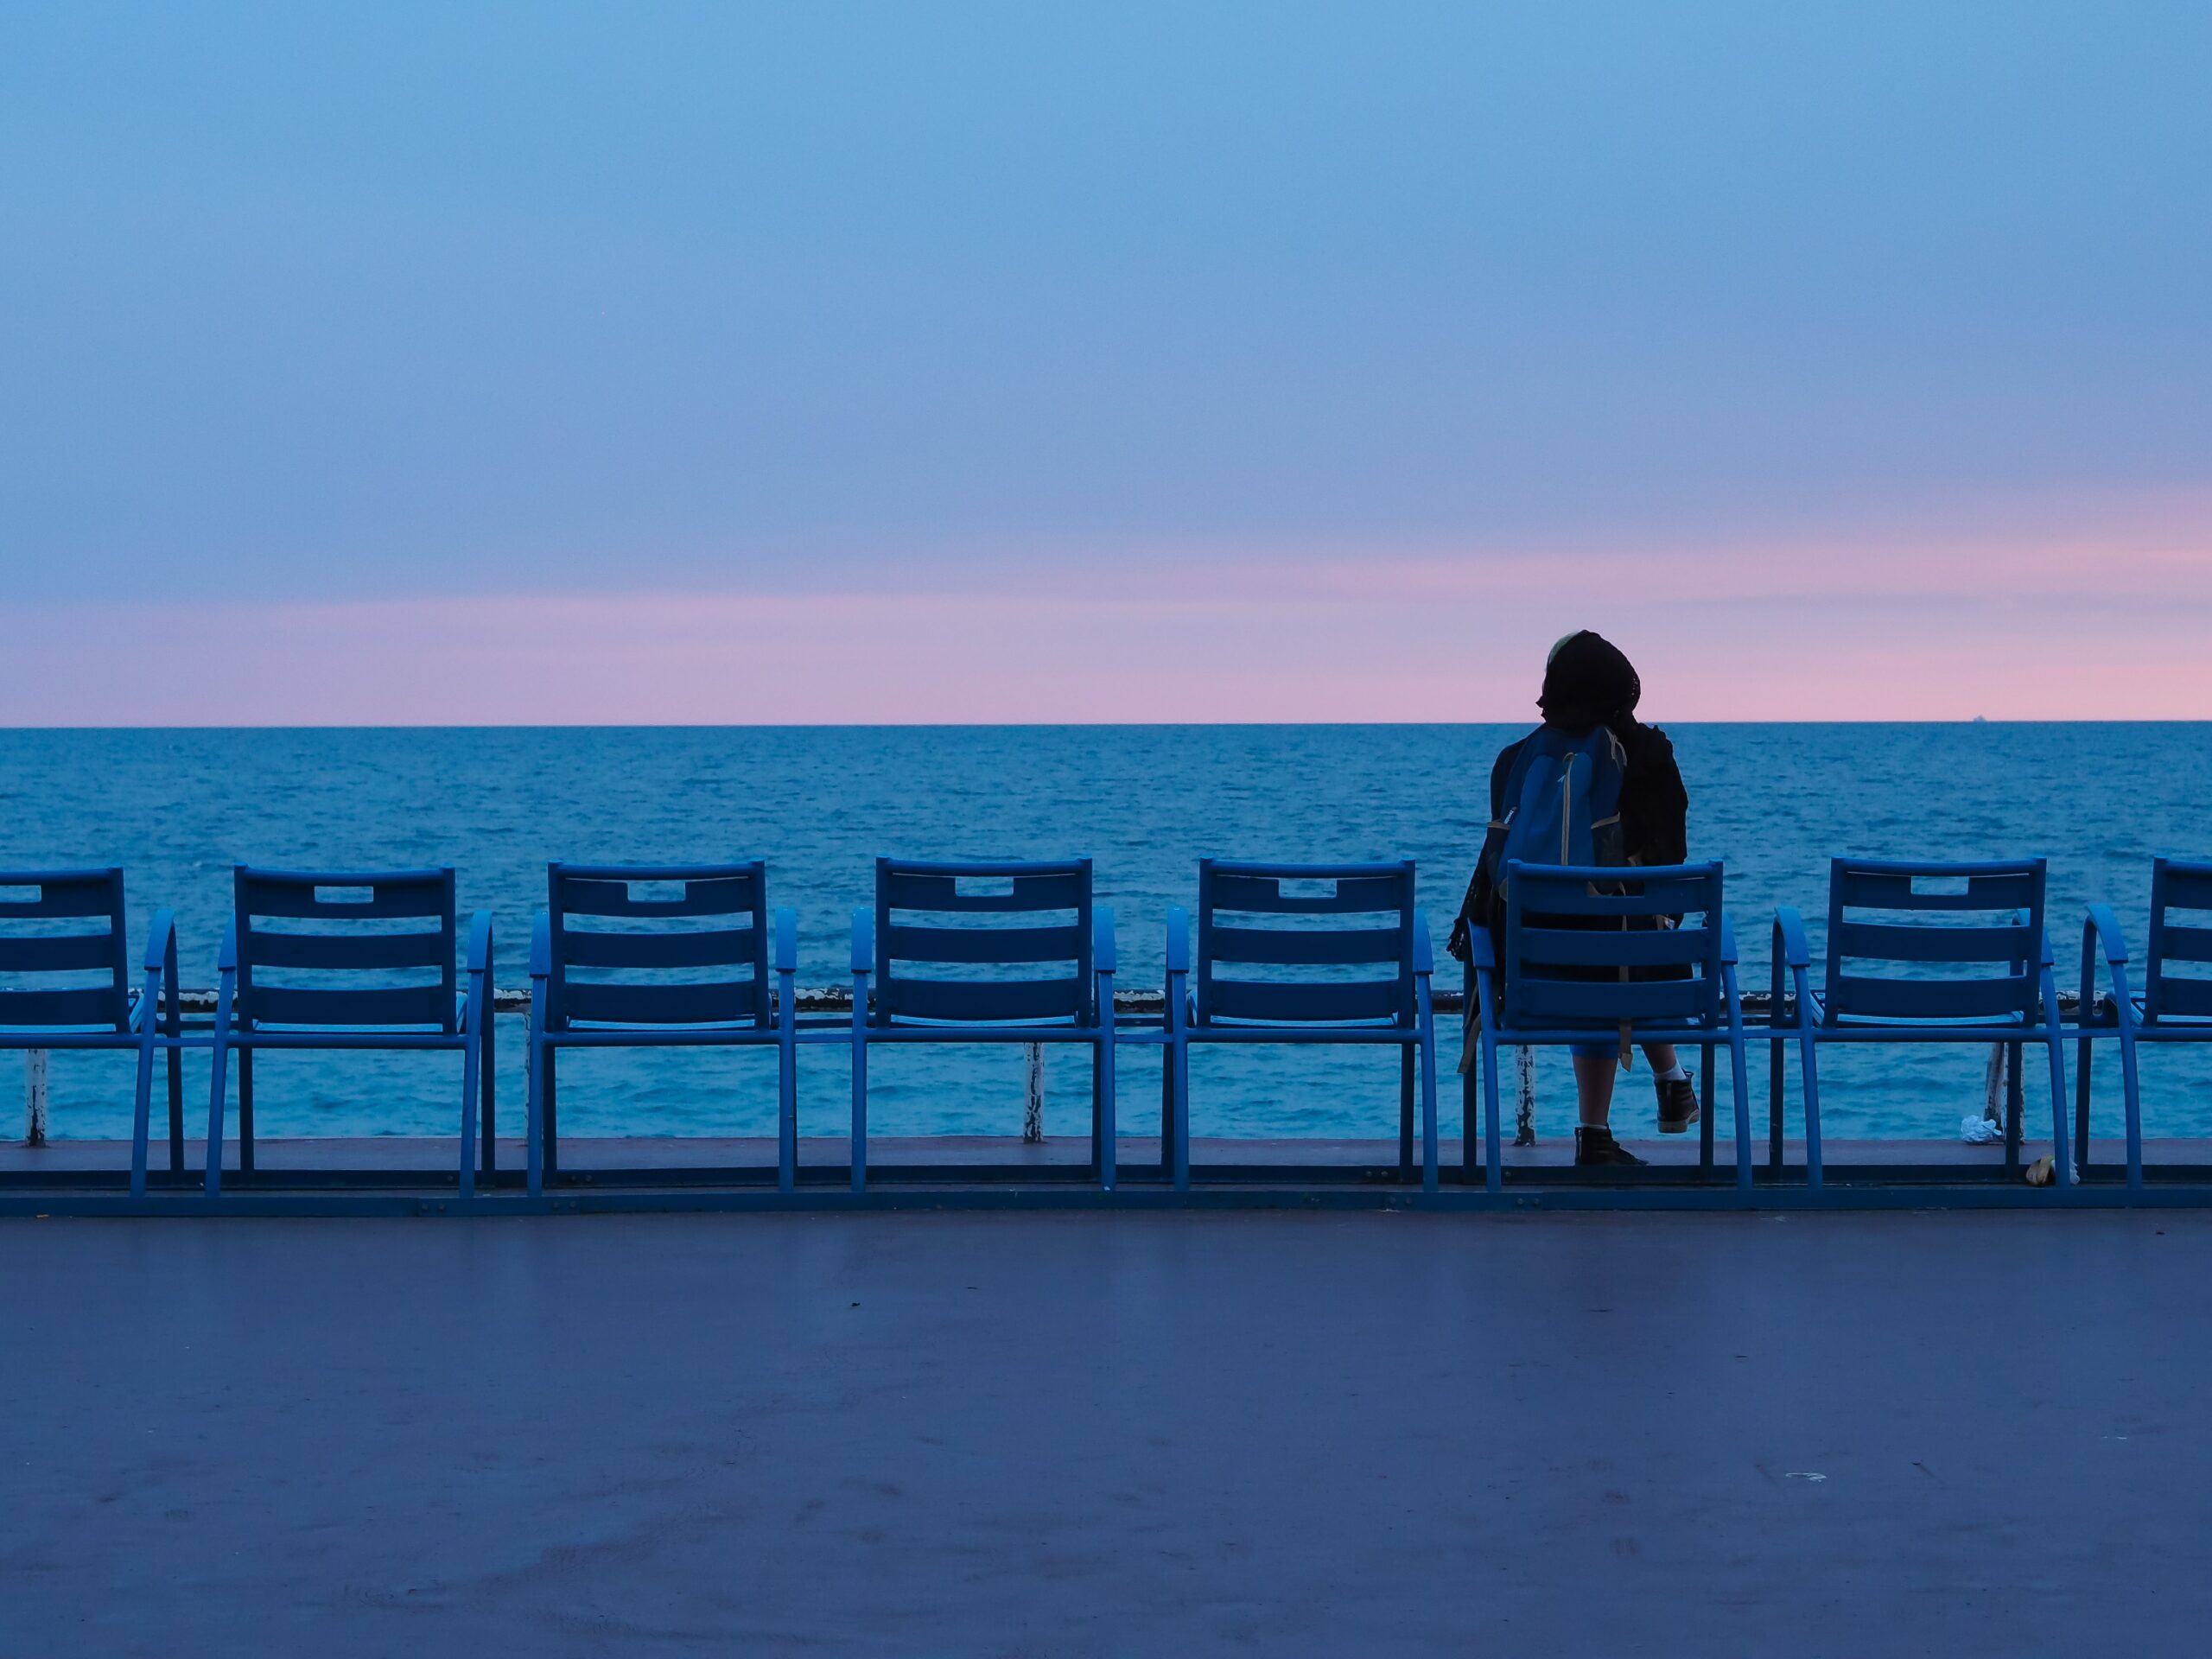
{"x":1560,"y":805}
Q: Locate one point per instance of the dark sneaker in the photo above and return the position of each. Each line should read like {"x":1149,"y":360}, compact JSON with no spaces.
{"x":1597,"y":1147}
{"x":1678,"y":1107}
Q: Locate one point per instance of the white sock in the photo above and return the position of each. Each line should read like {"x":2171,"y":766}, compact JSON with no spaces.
{"x":1672,"y":1072}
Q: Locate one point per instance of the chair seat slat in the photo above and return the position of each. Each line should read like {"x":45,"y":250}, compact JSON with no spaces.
{"x":60,"y":953}
{"x":1306,"y":947}
{"x":736,"y":894}
{"x":1550,"y":899}
{"x":345,"y":952}
{"x":63,"y":893}
{"x":96,"y":1004}
{"x":983,"y":1001}
{"x":1858,"y":888}
{"x":1853,"y":994}
{"x":1263,"y":894}
{"x":2183,"y":944}
{"x":723,"y":1002}
{"x":2176,"y":995}
{"x":1276,"y":1003}
{"x":717,"y":947}
{"x":399,"y":895}
{"x":938,"y":890}
{"x":2181,"y":887}
{"x":1655,"y":947}
{"x":1537,"y":1001}
{"x":908,"y":942}
{"x":390,"y":1005}
{"x":1905,"y":942}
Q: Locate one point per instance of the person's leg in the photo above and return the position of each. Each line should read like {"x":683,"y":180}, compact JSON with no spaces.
{"x":1678,"y":1102}
{"x":1593,"y":1087}
{"x":1594,"y":1065}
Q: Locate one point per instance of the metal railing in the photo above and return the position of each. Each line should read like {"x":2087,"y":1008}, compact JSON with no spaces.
{"x":838,"y":999}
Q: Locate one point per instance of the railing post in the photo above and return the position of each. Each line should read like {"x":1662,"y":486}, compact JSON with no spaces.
{"x":35,"y":1097}
{"x":1032,"y":1110}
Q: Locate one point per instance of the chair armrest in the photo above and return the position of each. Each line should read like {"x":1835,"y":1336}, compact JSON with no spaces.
{"x":1424,"y":947}
{"x":1482,"y":955}
{"x":1728,"y":957}
{"x":480,"y":942}
{"x":161,"y":941}
{"x":226,"y":958}
{"x":863,"y":941}
{"x":2103,"y":928}
{"x":1102,"y":939}
{"x":784,"y":921}
{"x":1789,"y":936}
{"x":541,"y":946}
{"x":1178,"y":939}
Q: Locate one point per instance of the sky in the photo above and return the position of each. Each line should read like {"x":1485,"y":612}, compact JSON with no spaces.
{"x":437,"y":363}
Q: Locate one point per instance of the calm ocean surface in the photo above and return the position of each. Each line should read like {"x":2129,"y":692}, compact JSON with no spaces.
{"x":176,"y":809}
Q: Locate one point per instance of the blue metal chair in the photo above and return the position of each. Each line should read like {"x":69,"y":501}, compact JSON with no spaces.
{"x":2173,"y":1008}
{"x":680,"y":983}
{"x":1290,"y":954}
{"x":1569,"y":958}
{"x":972,"y":932}
{"x":324,"y":961}
{"x":1898,"y":956}
{"x":64,"y":987}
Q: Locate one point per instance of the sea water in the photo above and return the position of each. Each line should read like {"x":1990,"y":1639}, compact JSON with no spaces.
{"x":177,"y":808}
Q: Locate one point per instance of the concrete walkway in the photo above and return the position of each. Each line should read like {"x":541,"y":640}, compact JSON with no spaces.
{"x":1113,"y":1434}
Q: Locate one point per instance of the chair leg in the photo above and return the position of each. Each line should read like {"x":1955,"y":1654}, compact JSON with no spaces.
{"x":534,"y":1122}
{"x":1704,"y":1109}
{"x":859,"y":1108}
{"x":1427,"y":1066}
{"x":219,"y":1087}
{"x":488,"y":1072}
{"x":2012,"y":1104}
{"x":1167,"y":1110}
{"x":246,"y":1111}
{"x":1777,"y":1065}
{"x":2084,"y":1056}
{"x":1493,"y":1160}
{"x":1405,"y":1111}
{"x":1471,"y":1156}
{"x":1179,"y":1059}
{"x":1810,"y":1067}
{"x":1739,"y":1078}
{"x":548,"y":1106}
{"x":176,"y":1112}
{"x":1103,"y":1086}
{"x":786,"y":1114}
{"x":2062,"y":1161}
{"x":140,"y":1120}
{"x":472,"y":1081}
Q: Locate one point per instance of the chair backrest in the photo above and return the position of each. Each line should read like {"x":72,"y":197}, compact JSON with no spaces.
{"x":64,"y":961}
{"x":345,"y":948}
{"x":976,"y":931}
{"x":1307,"y":943}
{"x":1902,"y":938}
{"x":2185,"y":888}
{"x":670,"y":947}
{"x":1573,"y":952}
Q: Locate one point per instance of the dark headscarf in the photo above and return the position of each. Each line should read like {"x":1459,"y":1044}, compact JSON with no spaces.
{"x":1589,"y":683}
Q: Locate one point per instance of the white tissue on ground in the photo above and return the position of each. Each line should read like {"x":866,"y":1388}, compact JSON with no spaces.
{"x":1977,"y":1130}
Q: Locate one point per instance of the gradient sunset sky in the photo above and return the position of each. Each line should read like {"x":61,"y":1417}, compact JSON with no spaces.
{"x":468,"y":364}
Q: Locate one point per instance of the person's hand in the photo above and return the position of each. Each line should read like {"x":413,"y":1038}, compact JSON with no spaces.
{"x":1457,"y":944}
